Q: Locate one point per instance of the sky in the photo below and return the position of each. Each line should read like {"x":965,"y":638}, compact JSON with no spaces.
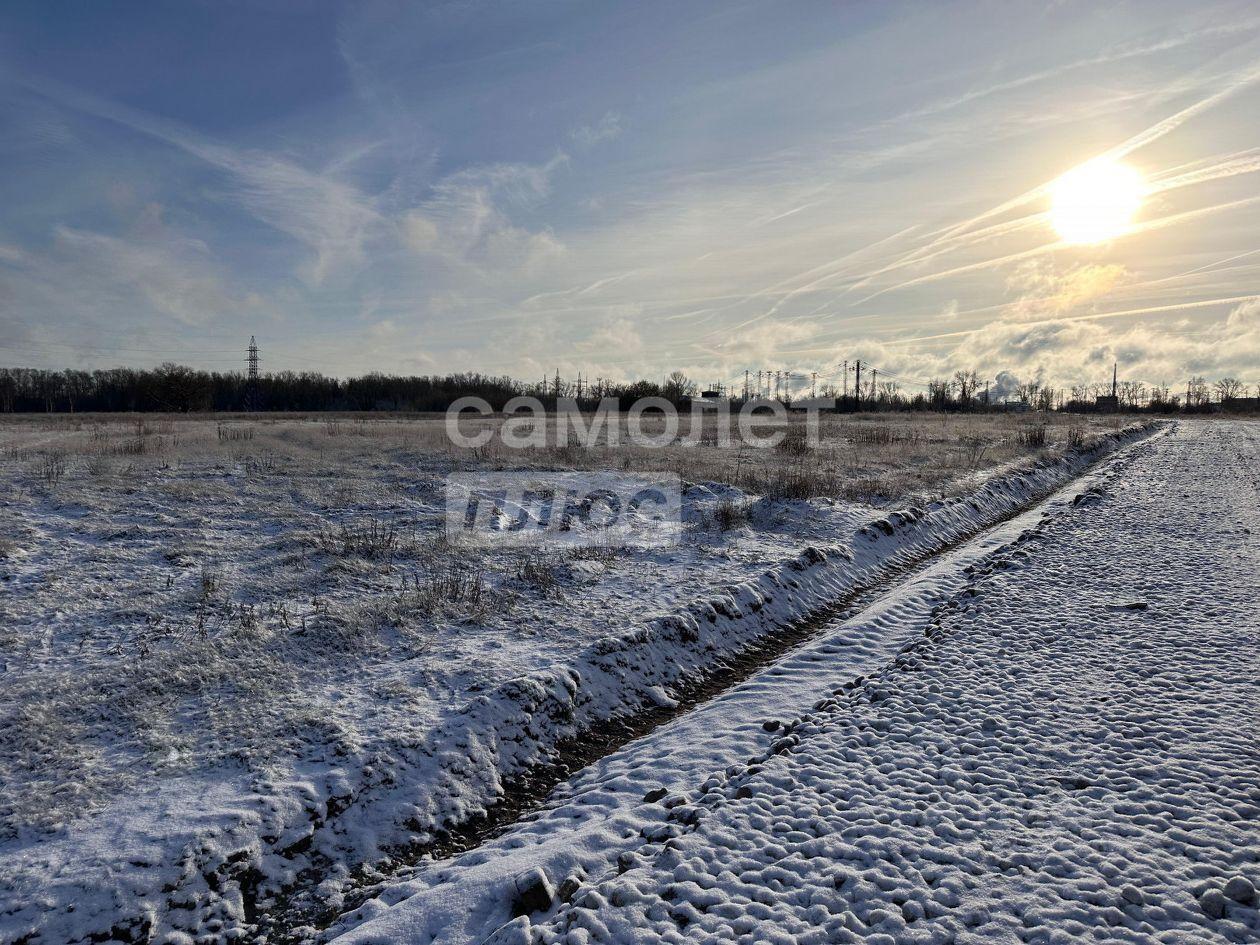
{"x":621,"y":190}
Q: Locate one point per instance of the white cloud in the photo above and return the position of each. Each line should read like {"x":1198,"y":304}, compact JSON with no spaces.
{"x":1245,"y":318}
{"x":1047,"y":289}
{"x":13,"y":255}
{"x":618,"y":334}
{"x":86,"y":295}
{"x":419,"y":232}
{"x":169,"y":275}
{"x":468,"y":218}
{"x":605,"y":129}
{"x":1075,"y":352}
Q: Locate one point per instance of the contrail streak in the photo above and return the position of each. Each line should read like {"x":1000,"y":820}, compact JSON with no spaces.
{"x":831,"y":269}
{"x":948,"y":246}
{"x":1147,"y":227}
{"x":1245,"y":162}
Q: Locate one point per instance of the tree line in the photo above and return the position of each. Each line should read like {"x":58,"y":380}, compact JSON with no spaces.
{"x":175,"y":388}
{"x":965,"y":391}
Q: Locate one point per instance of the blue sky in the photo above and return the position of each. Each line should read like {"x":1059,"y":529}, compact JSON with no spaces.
{"x":625,"y":189}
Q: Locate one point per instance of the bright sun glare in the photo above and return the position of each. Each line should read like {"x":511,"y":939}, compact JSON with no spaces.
{"x":1096,"y":201}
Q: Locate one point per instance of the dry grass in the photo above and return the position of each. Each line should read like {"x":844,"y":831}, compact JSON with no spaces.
{"x":541,"y":571}
{"x":456,"y":590}
{"x":374,"y":538}
{"x":871,"y":457}
{"x":867,"y":457}
{"x":731,"y":513}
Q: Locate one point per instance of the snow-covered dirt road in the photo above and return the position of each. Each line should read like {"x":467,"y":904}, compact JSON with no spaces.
{"x":1053,"y":741}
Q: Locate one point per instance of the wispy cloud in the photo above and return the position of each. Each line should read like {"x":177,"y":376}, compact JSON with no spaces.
{"x":329,"y":216}
{"x":467,"y":218}
{"x":607,"y":128}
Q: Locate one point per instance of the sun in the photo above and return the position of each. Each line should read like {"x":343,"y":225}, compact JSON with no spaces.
{"x":1095,"y":202}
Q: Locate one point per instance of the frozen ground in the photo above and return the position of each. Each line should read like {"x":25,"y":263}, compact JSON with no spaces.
{"x":1047,"y":737}
{"x":216,"y":639}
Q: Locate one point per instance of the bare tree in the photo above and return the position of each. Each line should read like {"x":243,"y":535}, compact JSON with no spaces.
{"x":1027,"y":393}
{"x":1132,"y":393}
{"x":1197,"y":392}
{"x":966,"y":383}
{"x":1227,"y":388}
{"x":678,"y":386}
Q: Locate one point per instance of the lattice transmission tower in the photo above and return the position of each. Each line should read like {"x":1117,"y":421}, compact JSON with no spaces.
{"x":251,"y":376}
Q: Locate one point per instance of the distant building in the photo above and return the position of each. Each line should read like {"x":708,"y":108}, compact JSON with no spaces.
{"x":1015,"y":406}
{"x":709,"y":400}
{"x":827,"y":404}
{"x":1111,"y":403}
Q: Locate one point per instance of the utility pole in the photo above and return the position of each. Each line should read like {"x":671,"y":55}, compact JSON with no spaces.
{"x":874,"y":383}
{"x":745,"y":383}
{"x":846,"y":379}
{"x":1115,"y":367}
{"x":251,"y":376}
{"x":857,"y":381}
{"x":557,"y":383}
{"x":813,"y":384}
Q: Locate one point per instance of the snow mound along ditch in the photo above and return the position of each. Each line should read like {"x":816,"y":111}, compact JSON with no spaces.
{"x":452,"y":774}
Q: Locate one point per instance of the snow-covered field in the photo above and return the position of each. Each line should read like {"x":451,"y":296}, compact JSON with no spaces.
{"x":236,"y":651}
{"x":1048,"y":736}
